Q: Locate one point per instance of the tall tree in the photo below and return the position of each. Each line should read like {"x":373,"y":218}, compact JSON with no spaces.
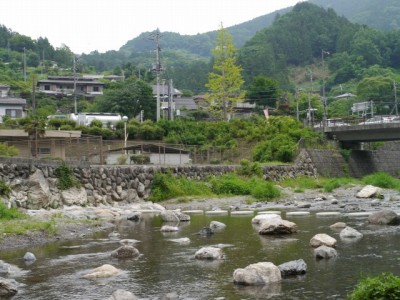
{"x":263,"y":91}
{"x":225,"y":82}
{"x":128,"y":98}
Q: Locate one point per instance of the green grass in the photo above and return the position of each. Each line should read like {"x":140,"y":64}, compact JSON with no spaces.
{"x":9,"y":213}
{"x":166,"y":186}
{"x":382,"y":180}
{"x":23,"y":226}
{"x":303,"y":183}
{"x":332,"y":184}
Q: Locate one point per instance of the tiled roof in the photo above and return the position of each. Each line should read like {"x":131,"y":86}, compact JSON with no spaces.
{"x":9,"y":100}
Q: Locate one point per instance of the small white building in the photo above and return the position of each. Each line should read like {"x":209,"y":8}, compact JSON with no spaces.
{"x":11,"y":106}
{"x":84,"y":119}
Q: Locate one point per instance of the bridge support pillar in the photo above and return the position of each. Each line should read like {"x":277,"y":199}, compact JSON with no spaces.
{"x":351,"y":145}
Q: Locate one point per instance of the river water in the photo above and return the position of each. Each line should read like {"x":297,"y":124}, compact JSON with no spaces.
{"x":165,"y":266}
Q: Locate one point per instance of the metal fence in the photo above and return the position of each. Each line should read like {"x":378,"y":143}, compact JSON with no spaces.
{"x":95,"y":150}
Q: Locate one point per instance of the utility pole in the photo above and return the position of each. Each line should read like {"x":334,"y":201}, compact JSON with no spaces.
{"x":24,"y":64}
{"x":395,"y":97}
{"x":323,"y":86}
{"x":157,"y":68}
{"x":33,"y":94}
{"x":75,"y":104}
{"x":309,"y":111}
{"x":297,"y":104}
{"x":170,"y":100}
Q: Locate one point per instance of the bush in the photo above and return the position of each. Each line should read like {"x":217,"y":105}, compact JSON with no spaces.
{"x":385,"y":286}
{"x":66,"y":179}
{"x":166,"y":186}
{"x":382,"y":180}
{"x":248,"y":168}
{"x":5,"y":189}
{"x":264,"y":190}
{"x":9,"y":213}
{"x":8,"y":151}
{"x":229,"y":184}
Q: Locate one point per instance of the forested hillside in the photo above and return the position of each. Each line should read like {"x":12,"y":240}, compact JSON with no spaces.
{"x":379,"y":14}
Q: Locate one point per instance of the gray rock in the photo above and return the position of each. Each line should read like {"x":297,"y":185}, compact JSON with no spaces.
{"x":384,"y":217}
{"x":174,"y":216}
{"x":168,"y":228}
{"x":325,"y":252}
{"x":135,"y":216}
{"x":338,"y":225}
{"x":215,"y":225}
{"x":276,"y":226}
{"x":209,"y":253}
{"x":170,"y":296}
{"x":38,"y":191}
{"x":8,"y":288}
{"x":322,"y":239}
{"x":74,"y":196}
{"x":206,"y":231}
{"x":369,"y":191}
{"x":123,"y":295}
{"x":350,"y":233}
{"x":294,"y":267}
{"x":125,"y":251}
{"x":29,"y":257}
{"x":257,"y":274}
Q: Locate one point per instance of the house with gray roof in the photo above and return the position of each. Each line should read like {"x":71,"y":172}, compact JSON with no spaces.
{"x":11,"y":106}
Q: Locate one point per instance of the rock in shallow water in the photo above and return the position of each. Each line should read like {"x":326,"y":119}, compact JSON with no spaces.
{"x":257,"y":274}
{"x":294,"y":267}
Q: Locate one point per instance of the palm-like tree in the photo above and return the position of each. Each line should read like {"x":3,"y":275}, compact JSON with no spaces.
{"x":36,"y":128}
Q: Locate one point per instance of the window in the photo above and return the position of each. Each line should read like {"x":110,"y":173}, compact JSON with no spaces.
{"x":95,"y":89}
{"x":45,"y":151}
{"x":47,"y":87}
{"x":14,"y":113}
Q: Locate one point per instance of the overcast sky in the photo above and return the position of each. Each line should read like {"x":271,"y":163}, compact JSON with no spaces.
{"x":88,"y":25}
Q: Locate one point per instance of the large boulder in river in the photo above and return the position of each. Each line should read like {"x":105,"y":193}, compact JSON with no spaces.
{"x":125,"y":251}
{"x":322,"y":239}
{"x":7,"y":288}
{"x":257,"y":274}
{"x":265,"y":217}
{"x":123,"y":295}
{"x":324,"y":252}
{"x":384,"y":217}
{"x":102,"y":272}
{"x":277,"y":226}
{"x":174,"y":216}
{"x":74,"y":196}
{"x":370,"y":191}
{"x":294,"y":267}
{"x":38,"y":191}
{"x":350,"y":233}
{"x":209,"y":253}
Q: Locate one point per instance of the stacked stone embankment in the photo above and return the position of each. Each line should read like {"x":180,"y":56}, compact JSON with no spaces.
{"x":34,"y":182}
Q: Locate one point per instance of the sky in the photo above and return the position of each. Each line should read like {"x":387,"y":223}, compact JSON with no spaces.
{"x":102,"y":25}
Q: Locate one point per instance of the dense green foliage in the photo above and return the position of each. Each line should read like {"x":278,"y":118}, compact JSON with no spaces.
{"x":9,"y":213}
{"x":383,"y":287}
{"x":8,"y":151}
{"x":166,"y":186}
{"x":382,"y":180}
{"x":66,"y":178}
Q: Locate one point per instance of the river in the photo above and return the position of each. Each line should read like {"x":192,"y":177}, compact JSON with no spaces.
{"x":166,"y":266}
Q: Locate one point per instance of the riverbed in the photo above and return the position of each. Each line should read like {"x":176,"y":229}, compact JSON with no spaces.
{"x":165,"y":266}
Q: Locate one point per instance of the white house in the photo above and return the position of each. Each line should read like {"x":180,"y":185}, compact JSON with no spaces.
{"x":10,"y":106}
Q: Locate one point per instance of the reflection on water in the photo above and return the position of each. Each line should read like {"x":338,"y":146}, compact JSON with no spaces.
{"x":167,"y":266}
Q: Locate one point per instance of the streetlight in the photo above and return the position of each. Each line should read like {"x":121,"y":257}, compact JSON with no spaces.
{"x":125,"y":119}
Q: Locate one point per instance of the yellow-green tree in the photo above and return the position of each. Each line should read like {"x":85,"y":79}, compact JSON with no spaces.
{"x":225,"y":81}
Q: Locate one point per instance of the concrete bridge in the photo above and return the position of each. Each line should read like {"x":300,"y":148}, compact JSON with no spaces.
{"x":353,"y":135}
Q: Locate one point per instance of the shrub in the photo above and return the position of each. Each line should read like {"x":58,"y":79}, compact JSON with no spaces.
{"x":5,"y":189}
{"x":264,"y":190}
{"x":382,"y":180}
{"x":8,"y":151}
{"x":9,"y":213}
{"x":166,"y":186}
{"x":248,"y":168}
{"x":229,"y":184}
{"x":385,"y":286}
{"x":66,"y":177}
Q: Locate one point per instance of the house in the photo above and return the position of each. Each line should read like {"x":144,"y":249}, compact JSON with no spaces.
{"x":11,"y":106}
{"x":61,"y":86}
{"x":164,"y":91}
{"x":52,"y":144}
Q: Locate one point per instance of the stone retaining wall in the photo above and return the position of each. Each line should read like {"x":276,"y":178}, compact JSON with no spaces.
{"x":34,"y":184}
